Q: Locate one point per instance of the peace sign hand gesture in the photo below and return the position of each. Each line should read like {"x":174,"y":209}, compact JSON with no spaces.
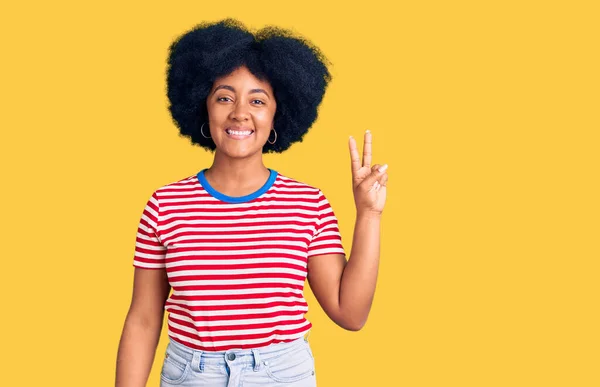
{"x":368,"y":182}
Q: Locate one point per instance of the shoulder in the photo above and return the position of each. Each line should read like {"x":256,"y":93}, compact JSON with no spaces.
{"x":183,"y":184}
{"x":292,"y":184}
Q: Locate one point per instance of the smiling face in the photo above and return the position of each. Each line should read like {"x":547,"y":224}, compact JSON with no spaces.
{"x":241,"y":109}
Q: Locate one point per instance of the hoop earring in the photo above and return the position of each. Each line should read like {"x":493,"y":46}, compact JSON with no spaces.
{"x":202,"y":133}
{"x":274,"y":141}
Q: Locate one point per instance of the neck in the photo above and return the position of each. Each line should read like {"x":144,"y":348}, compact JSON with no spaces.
{"x":236,"y":175}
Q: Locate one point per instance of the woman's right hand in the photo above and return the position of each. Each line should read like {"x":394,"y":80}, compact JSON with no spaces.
{"x":142,"y":328}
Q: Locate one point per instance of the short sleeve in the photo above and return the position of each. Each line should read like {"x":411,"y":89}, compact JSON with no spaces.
{"x":149,"y":250}
{"x":327,"y":238}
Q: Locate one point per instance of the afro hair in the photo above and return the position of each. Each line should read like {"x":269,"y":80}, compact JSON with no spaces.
{"x":295,"y":69}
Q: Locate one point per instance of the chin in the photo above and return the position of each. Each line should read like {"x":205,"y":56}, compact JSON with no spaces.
{"x":240,"y":153}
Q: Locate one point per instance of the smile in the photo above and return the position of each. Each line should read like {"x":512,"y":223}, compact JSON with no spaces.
{"x":239,"y":134}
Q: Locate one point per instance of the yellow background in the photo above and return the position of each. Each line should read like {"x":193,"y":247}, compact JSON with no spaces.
{"x":486,"y":112}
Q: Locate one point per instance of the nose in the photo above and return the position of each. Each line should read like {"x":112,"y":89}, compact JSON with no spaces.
{"x":240,"y":111}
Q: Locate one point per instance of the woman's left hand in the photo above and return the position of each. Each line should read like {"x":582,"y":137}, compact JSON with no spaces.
{"x":368,"y":182}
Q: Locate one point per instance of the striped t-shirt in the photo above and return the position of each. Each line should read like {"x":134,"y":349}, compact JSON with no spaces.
{"x":237,"y":265}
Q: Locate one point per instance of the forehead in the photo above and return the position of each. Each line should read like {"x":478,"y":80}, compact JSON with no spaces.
{"x":242,"y":78}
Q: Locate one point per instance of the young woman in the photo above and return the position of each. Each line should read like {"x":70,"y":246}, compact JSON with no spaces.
{"x":236,"y":241}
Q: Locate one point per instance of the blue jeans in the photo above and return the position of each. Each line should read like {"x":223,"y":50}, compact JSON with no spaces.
{"x":282,"y":364}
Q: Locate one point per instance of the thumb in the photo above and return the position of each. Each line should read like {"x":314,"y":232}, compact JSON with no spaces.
{"x":376,"y":172}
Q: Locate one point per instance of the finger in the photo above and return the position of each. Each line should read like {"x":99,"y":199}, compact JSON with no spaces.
{"x":376,"y":173}
{"x":375,"y":186}
{"x":354,"y":156}
{"x":367,"y":149}
{"x":383,"y":179}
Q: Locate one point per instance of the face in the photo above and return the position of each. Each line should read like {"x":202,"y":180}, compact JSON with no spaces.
{"x":240,"y":111}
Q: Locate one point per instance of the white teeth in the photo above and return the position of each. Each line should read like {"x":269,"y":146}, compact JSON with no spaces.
{"x":239,"y":133}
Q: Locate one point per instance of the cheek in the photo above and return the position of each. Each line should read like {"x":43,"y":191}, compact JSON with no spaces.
{"x":217,"y":113}
{"x":265,"y":117}
{"x":262,"y":114}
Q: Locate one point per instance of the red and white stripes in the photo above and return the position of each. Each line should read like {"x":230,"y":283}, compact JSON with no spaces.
{"x":237,"y":270}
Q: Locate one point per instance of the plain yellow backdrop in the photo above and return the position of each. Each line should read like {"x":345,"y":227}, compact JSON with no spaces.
{"x":486,"y":112}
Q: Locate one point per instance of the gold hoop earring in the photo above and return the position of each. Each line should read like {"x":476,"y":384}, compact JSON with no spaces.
{"x":202,"y":133}
{"x":274,"y":141}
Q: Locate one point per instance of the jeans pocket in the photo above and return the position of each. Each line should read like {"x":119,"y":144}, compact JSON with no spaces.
{"x":291,"y":367}
{"x":174,"y":369}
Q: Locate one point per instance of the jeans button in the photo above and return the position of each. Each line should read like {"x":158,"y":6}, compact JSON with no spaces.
{"x":231,"y":356}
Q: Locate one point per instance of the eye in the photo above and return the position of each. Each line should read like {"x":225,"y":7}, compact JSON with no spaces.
{"x":222,"y":99}
{"x":259,"y":101}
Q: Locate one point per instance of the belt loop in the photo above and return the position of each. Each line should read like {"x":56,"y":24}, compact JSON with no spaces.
{"x":256,"y":354}
{"x":197,"y":363}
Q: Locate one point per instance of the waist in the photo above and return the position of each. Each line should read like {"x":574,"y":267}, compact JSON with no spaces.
{"x":241,"y":356}
{"x":218,"y":334}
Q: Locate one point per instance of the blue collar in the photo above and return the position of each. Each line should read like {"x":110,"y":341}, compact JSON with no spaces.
{"x":236,"y":199}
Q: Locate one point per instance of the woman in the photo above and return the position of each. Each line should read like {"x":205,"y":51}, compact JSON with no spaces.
{"x":237,"y":241}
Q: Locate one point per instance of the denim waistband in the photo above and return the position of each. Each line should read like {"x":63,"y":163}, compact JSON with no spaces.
{"x":254,"y":356}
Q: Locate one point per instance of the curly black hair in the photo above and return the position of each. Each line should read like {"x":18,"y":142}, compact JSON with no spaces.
{"x":295,"y":68}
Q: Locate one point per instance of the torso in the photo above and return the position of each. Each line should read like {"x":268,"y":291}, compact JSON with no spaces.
{"x":237,"y":266}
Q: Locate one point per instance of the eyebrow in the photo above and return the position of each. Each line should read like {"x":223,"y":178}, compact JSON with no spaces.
{"x":227,"y":87}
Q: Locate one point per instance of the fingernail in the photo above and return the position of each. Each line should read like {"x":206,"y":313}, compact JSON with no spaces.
{"x":383,"y":168}
{"x":367,"y":131}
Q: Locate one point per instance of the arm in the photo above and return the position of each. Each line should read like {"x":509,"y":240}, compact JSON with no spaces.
{"x":142,"y":328}
{"x":345,"y":290}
